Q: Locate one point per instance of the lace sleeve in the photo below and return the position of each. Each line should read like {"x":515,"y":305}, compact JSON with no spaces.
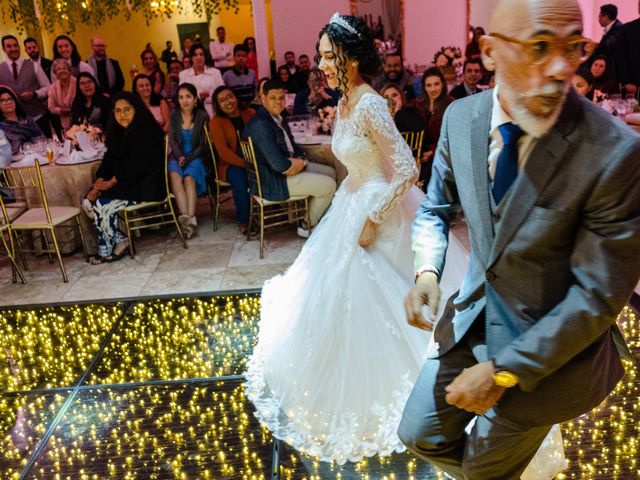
{"x":379,"y":125}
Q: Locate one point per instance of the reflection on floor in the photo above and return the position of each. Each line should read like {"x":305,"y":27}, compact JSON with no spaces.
{"x":153,"y":390}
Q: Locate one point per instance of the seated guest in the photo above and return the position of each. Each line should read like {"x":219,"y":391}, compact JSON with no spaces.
{"x":432,"y":105}
{"x":604,"y":81}
{"x":471,"y":75}
{"x":240,"y":78}
{"x":157,"y":105}
{"x":132,"y":171}
{"x":583,"y":83}
{"x":17,"y":127}
{"x":151,"y":68}
{"x":406,"y":117}
{"x":301,"y":77}
{"x":283,"y":169}
{"x":5,"y":151}
{"x":63,"y":47}
{"x":473,"y":47}
{"x":187,"y":172}
{"x":224,"y":127}
{"x":61,"y":95}
{"x":90,"y":105}
{"x":205,"y":78}
{"x":286,"y":79}
{"x":315,"y":95}
{"x":256,"y":103}
{"x":395,"y":73}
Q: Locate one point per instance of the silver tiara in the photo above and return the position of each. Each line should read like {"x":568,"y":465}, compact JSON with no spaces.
{"x":338,"y":20}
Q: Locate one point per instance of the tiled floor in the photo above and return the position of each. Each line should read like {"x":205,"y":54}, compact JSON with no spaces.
{"x":215,"y":261}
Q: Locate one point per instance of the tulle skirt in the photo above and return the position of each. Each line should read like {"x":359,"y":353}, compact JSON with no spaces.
{"x":336,"y":359}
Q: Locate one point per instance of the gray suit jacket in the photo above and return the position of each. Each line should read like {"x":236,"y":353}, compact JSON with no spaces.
{"x":562,"y":263}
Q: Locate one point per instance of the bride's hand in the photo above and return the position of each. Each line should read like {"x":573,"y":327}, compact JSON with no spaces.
{"x":368,"y":234}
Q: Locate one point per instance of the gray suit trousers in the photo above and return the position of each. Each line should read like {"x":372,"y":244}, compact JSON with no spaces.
{"x":496,"y":448}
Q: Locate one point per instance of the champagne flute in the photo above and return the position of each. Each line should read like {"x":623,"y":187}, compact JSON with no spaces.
{"x":50,"y":151}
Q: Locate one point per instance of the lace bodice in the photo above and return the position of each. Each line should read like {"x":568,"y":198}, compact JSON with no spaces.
{"x":368,"y":143}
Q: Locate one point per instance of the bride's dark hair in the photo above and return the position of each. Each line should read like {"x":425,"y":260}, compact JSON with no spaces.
{"x":359,"y":46}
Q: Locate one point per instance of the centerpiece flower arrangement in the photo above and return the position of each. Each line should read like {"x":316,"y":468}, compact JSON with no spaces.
{"x":450,"y":60}
{"x":326,"y":117}
{"x":92,"y":132}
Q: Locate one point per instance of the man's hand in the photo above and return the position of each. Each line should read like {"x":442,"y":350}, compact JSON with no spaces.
{"x":297,"y":165}
{"x":474,"y":389}
{"x":182,"y":161}
{"x":368,"y":234}
{"x":103,"y":185}
{"x":27,"y":96}
{"x":630,"y":88}
{"x":425,"y":292}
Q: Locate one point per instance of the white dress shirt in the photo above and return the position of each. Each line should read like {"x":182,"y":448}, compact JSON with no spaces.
{"x":206,"y":82}
{"x":222,"y":53}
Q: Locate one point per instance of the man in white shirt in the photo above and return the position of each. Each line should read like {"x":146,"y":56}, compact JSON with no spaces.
{"x":33,"y":50}
{"x":221,"y":50}
{"x":27,"y":80}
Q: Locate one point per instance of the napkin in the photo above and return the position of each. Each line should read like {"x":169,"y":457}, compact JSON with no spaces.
{"x":28,"y":160}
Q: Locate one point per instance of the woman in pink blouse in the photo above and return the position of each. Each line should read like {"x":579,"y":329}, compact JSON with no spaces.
{"x":62,"y":93}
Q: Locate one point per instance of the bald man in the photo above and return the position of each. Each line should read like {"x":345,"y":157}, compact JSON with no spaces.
{"x":108,"y":71}
{"x":550,"y":188}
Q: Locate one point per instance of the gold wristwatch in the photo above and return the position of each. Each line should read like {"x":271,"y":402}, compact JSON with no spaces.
{"x":504,"y":378}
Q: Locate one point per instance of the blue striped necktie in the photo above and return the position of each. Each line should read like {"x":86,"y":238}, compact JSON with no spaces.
{"x":507,"y":166}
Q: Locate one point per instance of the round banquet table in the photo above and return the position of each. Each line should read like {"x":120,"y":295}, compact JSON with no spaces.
{"x":320,"y":152}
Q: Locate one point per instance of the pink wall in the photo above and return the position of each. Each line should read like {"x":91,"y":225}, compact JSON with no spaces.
{"x":430,"y":24}
{"x":296,"y":24}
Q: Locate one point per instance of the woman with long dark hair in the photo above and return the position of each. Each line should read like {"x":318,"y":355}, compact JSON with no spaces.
{"x":132,"y":171}
{"x":17,"y":127}
{"x":187,"y":172}
{"x":158,"y":106}
{"x":432,"y":104}
{"x":335,"y":359}
{"x":90,"y":105}
{"x":65,"y":48}
{"x":228,"y":122}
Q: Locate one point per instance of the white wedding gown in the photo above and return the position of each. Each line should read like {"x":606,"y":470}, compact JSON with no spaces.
{"x":335,"y":359}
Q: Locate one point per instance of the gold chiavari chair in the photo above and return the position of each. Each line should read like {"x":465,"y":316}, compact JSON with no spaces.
{"x":26,"y":182}
{"x":7,"y":242}
{"x":152,"y":214}
{"x":414,"y":140}
{"x":219,"y":187}
{"x":270,"y":213}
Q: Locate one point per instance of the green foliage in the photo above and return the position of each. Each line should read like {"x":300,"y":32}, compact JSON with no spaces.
{"x":68,"y":14}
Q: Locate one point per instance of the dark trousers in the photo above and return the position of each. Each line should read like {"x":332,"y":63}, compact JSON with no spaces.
{"x":237,"y":177}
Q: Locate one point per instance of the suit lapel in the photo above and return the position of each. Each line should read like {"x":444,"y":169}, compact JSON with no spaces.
{"x":479,"y":154}
{"x":538,"y":171}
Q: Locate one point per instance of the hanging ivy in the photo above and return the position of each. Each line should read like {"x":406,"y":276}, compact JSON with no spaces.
{"x":67,"y":14}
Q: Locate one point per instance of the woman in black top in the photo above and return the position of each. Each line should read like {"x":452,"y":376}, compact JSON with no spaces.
{"x":407,"y":118}
{"x":90,"y":105}
{"x":132,"y":171}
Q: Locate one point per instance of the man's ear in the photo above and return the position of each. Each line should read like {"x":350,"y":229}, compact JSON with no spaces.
{"x":486,"y":52}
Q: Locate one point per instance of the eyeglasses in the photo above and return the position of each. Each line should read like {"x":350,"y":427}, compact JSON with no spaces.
{"x":7,"y":100}
{"x":123,"y":111}
{"x":541,"y":48}
{"x":226,"y":99}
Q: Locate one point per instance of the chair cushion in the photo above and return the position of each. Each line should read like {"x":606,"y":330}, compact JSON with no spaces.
{"x":141,"y":205}
{"x":265,"y":202}
{"x":13,"y":211}
{"x":35,"y":218}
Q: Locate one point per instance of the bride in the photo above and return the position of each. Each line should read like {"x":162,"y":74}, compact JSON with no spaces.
{"x":335,"y":359}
